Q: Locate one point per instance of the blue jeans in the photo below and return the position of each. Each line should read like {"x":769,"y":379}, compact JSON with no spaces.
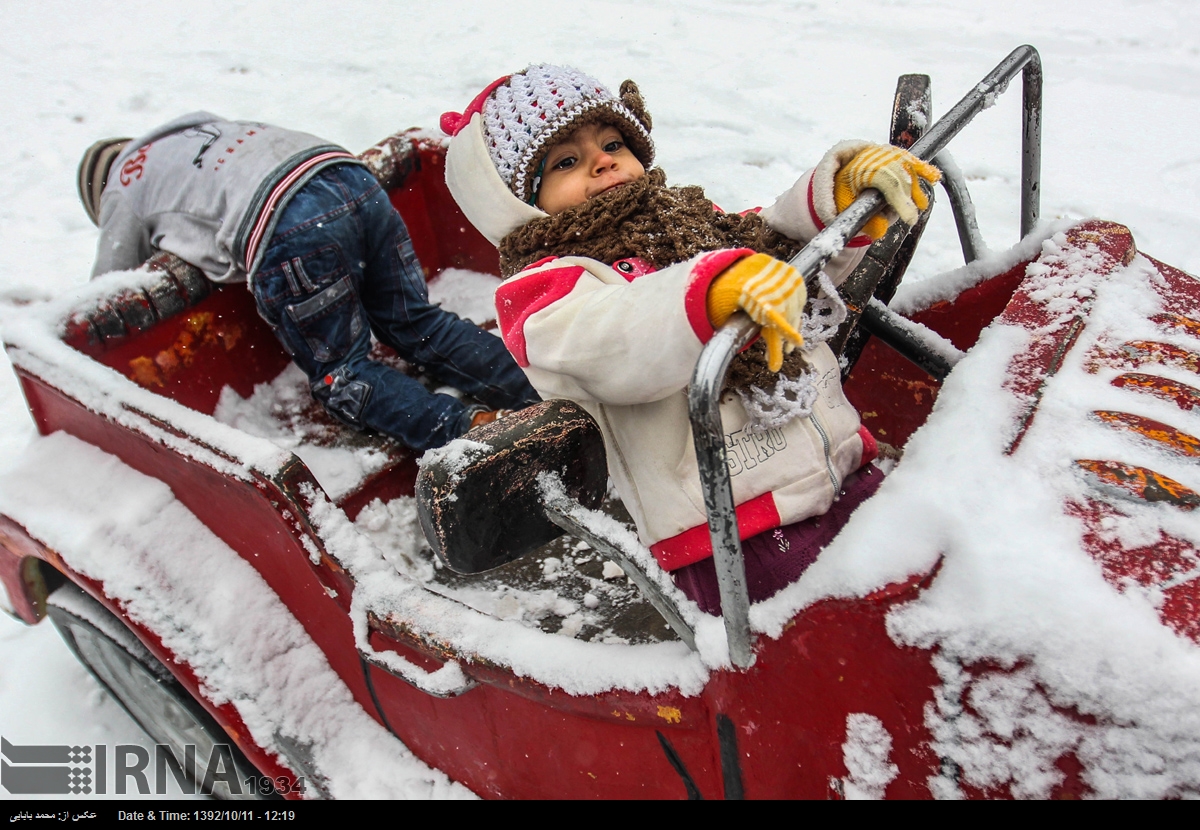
{"x":340,"y":266}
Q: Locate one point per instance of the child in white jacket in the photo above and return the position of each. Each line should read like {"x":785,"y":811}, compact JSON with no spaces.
{"x":614,"y":283}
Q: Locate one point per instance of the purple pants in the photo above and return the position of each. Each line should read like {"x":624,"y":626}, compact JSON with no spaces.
{"x":776,"y":558}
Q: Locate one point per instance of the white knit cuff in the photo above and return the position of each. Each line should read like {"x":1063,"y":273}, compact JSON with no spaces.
{"x":822,"y":185}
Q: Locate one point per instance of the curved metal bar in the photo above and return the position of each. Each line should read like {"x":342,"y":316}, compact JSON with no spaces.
{"x":708,"y":433}
{"x":415,"y":676}
{"x":929,"y":350}
{"x":963,"y":208}
{"x":1022,"y":59}
{"x":709,"y":376}
{"x":1031,"y":142}
{"x":559,"y":512}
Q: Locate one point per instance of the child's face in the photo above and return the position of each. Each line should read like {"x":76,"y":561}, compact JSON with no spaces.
{"x":588,"y":162}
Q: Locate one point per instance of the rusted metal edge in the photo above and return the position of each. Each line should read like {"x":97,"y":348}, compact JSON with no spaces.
{"x":1142,"y":483}
{"x":1056,"y":362}
{"x":1169,"y":320}
{"x":1184,"y":396}
{"x":1161,"y":434}
{"x":1137,"y":353}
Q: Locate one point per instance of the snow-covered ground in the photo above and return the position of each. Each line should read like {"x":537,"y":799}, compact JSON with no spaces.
{"x":744,"y":96}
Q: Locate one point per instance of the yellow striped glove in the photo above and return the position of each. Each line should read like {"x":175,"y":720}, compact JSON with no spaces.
{"x":895,"y":173}
{"x":771,"y":292}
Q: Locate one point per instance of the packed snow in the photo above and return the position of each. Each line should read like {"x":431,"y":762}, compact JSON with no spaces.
{"x":212,"y":610}
{"x":865,"y":753}
{"x":1121,"y":111}
{"x":469,"y":294}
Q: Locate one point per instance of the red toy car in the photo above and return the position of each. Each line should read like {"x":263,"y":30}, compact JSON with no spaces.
{"x":555,"y":675}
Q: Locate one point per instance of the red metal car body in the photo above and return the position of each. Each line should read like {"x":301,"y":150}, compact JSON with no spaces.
{"x":773,"y":730}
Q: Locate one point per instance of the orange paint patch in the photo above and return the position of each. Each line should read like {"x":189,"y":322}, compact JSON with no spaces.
{"x":1155,"y":431}
{"x":200,"y":331}
{"x":1180,"y":394}
{"x":920,"y":389}
{"x":1137,"y":353}
{"x":670,"y":714}
{"x":144,"y":373}
{"x":1178,"y":322}
{"x":1141,"y":482}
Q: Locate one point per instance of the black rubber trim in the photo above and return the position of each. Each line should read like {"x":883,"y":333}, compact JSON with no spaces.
{"x":904,"y":342}
{"x":731,"y":763}
{"x":366,"y":667}
{"x":693,"y":792}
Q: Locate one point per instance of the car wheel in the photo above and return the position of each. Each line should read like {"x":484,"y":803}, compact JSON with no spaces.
{"x":144,"y":687}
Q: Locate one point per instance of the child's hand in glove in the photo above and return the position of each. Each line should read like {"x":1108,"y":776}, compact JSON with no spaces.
{"x":771,"y":292}
{"x":895,"y":173}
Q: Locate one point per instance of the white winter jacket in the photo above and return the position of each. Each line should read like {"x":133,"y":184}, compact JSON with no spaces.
{"x":622,"y":340}
{"x":625,"y":350}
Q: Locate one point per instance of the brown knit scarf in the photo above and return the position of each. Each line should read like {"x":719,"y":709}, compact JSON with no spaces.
{"x":662,"y":225}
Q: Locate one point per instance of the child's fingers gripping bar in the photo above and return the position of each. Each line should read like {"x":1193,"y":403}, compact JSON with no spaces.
{"x":771,"y":292}
{"x":895,"y":173}
{"x":780,"y":336}
{"x":918,"y":170}
{"x":774,"y":343}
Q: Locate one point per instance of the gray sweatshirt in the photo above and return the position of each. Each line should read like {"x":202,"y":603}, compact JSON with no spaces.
{"x":207,"y":190}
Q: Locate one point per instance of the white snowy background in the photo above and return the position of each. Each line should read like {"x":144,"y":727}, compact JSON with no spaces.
{"x":745,"y":96}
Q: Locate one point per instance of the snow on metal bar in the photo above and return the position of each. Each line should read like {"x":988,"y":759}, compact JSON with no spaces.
{"x":468,"y":635}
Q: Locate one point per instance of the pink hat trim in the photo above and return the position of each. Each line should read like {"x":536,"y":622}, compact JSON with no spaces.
{"x":453,"y":122}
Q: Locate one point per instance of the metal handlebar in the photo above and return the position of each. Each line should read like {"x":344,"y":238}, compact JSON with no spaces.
{"x":708,"y":433}
{"x":704,"y":395}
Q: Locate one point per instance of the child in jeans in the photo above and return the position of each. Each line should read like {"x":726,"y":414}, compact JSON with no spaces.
{"x":328,"y":259}
{"x":614,"y":283}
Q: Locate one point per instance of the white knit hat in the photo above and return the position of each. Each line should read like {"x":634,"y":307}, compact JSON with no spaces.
{"x":523,"y":112}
